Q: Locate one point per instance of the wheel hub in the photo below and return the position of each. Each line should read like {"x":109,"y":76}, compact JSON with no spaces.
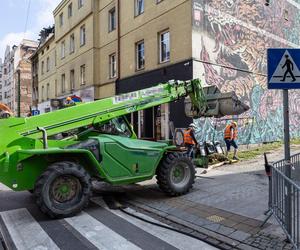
{"x":65,"y":188}
{"x":179,"y":173}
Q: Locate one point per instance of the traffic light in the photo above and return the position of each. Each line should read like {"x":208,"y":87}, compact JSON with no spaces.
{"x":267,"y":3}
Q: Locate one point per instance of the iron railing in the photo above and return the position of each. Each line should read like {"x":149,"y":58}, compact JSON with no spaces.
{"x":284,"y":198}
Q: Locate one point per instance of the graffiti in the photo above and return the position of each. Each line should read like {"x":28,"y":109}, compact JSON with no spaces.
{"x":230,"y":39}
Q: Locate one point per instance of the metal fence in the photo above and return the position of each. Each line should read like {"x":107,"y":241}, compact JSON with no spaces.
{"x":284,"y":197}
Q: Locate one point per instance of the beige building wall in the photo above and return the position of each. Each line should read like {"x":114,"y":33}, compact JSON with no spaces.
{"x":108,"y":45}
{"x":174,"y":16}
{"x":47,"y":73}
{"x":78,"y":14}
{"x":84,"y":55}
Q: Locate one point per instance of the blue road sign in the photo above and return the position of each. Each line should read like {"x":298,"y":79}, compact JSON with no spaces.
{"x":283,"y":68}
{"x":35,"y":112}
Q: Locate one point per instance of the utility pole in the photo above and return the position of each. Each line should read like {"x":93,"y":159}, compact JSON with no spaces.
{"x":277,"y":80}
{"x":287,"y":158}
{"x":19,"y":92}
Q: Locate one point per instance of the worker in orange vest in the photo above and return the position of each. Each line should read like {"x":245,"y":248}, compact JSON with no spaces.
{"x":230,"y":137}
{"x":69,"y":102}
{"x":190,"y":140}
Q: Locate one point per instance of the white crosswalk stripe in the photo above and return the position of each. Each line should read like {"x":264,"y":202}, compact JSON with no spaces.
{"x":97,"y":233}
{"x":178,"y":240}
{"x":25,"y":232}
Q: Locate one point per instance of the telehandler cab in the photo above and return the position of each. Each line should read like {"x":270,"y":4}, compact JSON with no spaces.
{"x":56,"y":155}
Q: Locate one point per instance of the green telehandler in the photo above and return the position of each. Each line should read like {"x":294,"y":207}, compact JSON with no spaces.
{"x":56,"y":155}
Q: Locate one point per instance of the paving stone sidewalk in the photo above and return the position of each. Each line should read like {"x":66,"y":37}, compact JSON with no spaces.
{"x":227,"y":206}
{"x":219,"y":226}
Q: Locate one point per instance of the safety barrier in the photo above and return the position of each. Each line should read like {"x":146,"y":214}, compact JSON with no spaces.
{"x":284,"y":198}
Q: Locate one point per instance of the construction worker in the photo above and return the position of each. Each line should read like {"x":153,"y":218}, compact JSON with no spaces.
{"x":190,"y":140}
{"x":69,"y":102}
{"x":230,"y":137}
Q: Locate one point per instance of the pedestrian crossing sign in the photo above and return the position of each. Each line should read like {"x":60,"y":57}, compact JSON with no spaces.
{"x":283,"y":68}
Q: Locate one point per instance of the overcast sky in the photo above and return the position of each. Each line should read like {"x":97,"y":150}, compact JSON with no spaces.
{"x":13,"y":19}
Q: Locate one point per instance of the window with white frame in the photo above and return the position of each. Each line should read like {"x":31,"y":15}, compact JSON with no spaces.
{"x":139,"y":7}
{"x":63,"y":83}
{"x":112,"y":66}
{"x":82,"y":35}
{"x":61,"y":19}
{"x":164,"y":47}
{"x":72,"y":79}
{"x":70,"y":10}
{"x":140,"y":55}
{"x":80,"y":3}
{"x":112,"y":19}
{"x":72,"y":43}
{"x":82,"y":74}
{"x":48,"y":64}
{"x":62,"y":49}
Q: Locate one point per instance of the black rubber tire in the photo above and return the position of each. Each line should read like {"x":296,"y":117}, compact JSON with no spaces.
{"x":164,"y":173}
{"x":44,"y":196}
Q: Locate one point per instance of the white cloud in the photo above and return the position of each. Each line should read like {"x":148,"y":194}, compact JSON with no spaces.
{"x":14,"y":39}
{"x":45,"y":15}
{"x":42,"y":18}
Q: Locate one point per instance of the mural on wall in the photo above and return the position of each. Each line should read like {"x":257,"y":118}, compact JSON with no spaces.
{"x":230,"y":38}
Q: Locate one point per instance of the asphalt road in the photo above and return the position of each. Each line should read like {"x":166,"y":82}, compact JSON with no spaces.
{"x":24,"y":227}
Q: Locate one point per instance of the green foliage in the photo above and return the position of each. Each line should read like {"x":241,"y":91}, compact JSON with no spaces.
{"x":259,"y":150}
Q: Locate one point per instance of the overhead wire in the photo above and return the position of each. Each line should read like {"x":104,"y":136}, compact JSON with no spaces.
{"x":27,"y":18}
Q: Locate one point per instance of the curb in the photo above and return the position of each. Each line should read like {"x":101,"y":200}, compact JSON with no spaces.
{"x":217,"y":165}
{"x":216,"y":239}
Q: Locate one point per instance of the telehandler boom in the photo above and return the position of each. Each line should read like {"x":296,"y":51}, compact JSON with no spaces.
{"x":56,"y":155}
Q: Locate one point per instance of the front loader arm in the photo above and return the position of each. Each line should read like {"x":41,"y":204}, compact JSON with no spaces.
{"x":201,"y":101}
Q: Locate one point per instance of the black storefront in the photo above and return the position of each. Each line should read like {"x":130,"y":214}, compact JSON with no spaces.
{"x":149,"y":120}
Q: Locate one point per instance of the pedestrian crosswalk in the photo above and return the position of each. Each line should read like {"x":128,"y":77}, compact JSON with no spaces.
{"x":99,"y":234}
{"x":98,"y":227}
{"x":25,"y":231}
{"x":171,"y":237}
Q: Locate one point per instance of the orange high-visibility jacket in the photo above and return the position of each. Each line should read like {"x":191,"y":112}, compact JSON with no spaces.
{"x":188,"y":139}
{"x":227,"y":132}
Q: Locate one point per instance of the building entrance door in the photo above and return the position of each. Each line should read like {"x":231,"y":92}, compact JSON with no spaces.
{"x":152,"y":123}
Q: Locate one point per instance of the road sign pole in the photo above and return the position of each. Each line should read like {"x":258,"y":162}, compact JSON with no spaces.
{"x":287,"y":157}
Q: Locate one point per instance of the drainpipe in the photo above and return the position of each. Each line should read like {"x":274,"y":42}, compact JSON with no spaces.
{"x":119,"y":42}
{"x":19,"y":92}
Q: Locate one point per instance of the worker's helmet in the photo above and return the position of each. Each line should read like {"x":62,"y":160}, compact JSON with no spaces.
{"x":192,"y":125}
{"x":234,"y":123}
{"x":69,"y":98}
